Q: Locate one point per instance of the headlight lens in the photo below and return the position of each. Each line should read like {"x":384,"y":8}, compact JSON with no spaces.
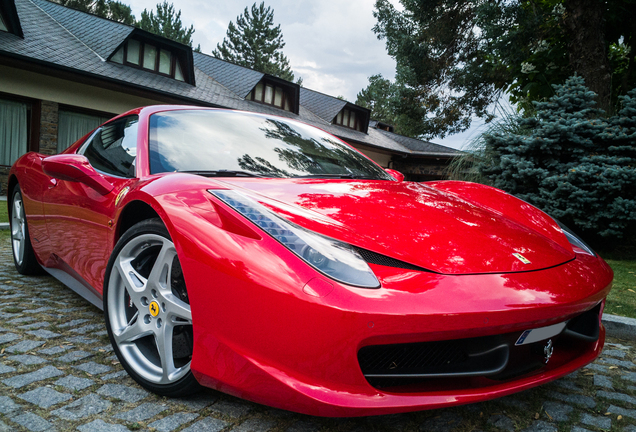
{"x":574,"y":239}
{"x":331,"y":257}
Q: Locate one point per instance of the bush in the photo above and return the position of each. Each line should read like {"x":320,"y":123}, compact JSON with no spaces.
{"x":572,"y":162}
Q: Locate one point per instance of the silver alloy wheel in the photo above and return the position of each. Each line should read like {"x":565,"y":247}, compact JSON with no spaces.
{"x":18,"y":228}
{"x":144,"y":312}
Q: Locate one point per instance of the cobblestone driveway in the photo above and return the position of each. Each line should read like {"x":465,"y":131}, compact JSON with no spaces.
{"x":58,"y":372}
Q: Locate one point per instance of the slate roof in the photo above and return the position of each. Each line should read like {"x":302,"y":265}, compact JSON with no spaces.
{"x":100,"y":35}
{"x":420,"y":146}
{"x":324,"y":106}
{"x":237,"y":79}
{"x":70,"y":40}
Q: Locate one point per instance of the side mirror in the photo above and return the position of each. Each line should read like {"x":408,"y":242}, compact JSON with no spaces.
{"x":395,"y":174}
{"x":75,"y":168}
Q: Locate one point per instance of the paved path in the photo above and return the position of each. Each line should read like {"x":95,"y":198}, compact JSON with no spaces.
{"x":58,"y":372}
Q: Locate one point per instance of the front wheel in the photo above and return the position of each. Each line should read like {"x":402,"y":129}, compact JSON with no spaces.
{"x":147,"y":310}
{"x":23,"y":255}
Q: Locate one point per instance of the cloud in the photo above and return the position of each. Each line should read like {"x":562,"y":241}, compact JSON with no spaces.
{"x":329,"y":43}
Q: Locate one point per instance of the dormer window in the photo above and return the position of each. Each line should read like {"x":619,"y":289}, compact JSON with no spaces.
{"x":9,"y":19}
{"x":350,"y":118}
{"x":271,"y":93}
{"x":151,"y":57}
{"x":384,"y":126}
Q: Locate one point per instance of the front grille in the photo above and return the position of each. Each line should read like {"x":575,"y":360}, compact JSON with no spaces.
{"x":467,"y":357}
{"x":410,"y":358}
{"x":379,"y":259}
{"x":466,"y":362}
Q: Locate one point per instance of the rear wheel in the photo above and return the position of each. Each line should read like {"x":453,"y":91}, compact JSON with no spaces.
{"x":23,"y":256}
{"x":147,"y":310}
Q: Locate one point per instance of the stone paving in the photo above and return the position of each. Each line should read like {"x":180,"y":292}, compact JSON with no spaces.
{"x":58,"y":372}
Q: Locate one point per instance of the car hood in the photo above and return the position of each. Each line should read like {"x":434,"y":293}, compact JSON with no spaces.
{"x":412,"y":222}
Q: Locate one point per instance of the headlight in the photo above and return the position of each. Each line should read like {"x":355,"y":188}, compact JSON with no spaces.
{"x":331,"y":257}
{"x":574,"y":239}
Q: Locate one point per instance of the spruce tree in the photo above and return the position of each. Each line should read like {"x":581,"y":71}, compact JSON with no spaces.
{"x":573,"y":162}
{"x":254,"y":42}
{"x":167,"y":23}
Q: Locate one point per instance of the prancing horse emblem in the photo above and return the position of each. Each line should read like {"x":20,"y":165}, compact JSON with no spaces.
{"x":521,"y":258}
{"x":548,"y":350}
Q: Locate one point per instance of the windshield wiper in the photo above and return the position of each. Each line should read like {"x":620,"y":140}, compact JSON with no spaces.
{"x":222,"y":173}
{"x":338,"y":176}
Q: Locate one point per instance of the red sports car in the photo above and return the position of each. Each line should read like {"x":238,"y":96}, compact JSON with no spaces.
{"x":267,"y":259}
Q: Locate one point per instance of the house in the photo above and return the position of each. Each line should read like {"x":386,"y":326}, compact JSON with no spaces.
{"x":63,"y":72}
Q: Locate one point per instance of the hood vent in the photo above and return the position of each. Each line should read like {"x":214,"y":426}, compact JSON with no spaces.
{"x":379,"y":259}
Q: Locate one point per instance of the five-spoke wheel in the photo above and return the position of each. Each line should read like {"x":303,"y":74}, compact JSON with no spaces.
{"x":23,"y":255}
{"x":148,"y":310}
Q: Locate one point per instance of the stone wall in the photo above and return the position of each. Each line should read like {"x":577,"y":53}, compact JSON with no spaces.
{"x":4,"y":177}
{"x":48,"y":128}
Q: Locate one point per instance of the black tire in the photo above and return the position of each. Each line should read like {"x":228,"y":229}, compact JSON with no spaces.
{"x":146,"y":307}
{"x":23,"y":255}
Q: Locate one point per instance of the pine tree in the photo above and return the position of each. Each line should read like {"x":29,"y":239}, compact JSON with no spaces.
{"x":573,"y":162}
{"x":120,"y":12}
{"x":110,"y":9}
{"x":254,"y":42}
{"x":166,"y":23}
{"x":379,"y":96}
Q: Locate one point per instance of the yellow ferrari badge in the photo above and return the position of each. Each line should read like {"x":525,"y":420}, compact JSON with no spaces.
{"x":122,"y":194}
{"x":154,"y":308}
{"x":521,"y":258}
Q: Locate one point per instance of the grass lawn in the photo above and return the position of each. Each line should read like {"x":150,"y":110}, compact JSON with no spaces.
{"x":4,"y":217}
{"x":622,"y":298}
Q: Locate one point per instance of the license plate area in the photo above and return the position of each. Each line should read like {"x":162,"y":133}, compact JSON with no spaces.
{"x":539,"y":334}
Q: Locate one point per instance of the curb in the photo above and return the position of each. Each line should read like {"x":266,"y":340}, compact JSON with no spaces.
{"x":620,"y":327}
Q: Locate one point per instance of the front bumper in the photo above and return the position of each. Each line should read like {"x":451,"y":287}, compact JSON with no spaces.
{"x":259,"y":336}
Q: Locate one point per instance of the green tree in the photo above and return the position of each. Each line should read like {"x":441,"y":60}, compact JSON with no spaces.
{"x":396,"y":104}
{"x":254,"y":42}
{"x":166,"y":22}
{"x":459,"y":56}
{"x":110,"y":9}
{"x":379,"y":96}
{"x":572,"y":162}
{"x":121,"y":12}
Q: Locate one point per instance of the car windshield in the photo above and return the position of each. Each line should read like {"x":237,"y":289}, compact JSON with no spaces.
{"x":226,"y":143}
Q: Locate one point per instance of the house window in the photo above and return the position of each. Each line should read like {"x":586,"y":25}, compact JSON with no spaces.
{"x":271,"y":94}
{"x":348,"y":118}
{"x":150,"y":57}
{"x":72,"y":126}
{"x":14,"y":130}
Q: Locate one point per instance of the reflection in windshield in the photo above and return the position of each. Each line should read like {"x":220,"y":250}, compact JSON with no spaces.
{"x":213,"y":140}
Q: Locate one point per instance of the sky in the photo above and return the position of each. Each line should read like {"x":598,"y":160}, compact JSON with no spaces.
{"x":329,"y":43}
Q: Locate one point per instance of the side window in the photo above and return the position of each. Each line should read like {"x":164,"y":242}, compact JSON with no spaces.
{"x":113,"y":147}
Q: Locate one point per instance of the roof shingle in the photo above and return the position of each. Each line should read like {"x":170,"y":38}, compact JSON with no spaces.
{"x":236,"y":78}
{"x":100,"y":35}
{"x":324,"y":106}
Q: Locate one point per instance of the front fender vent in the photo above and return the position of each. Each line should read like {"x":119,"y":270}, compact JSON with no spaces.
{"x":379,"y":259}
